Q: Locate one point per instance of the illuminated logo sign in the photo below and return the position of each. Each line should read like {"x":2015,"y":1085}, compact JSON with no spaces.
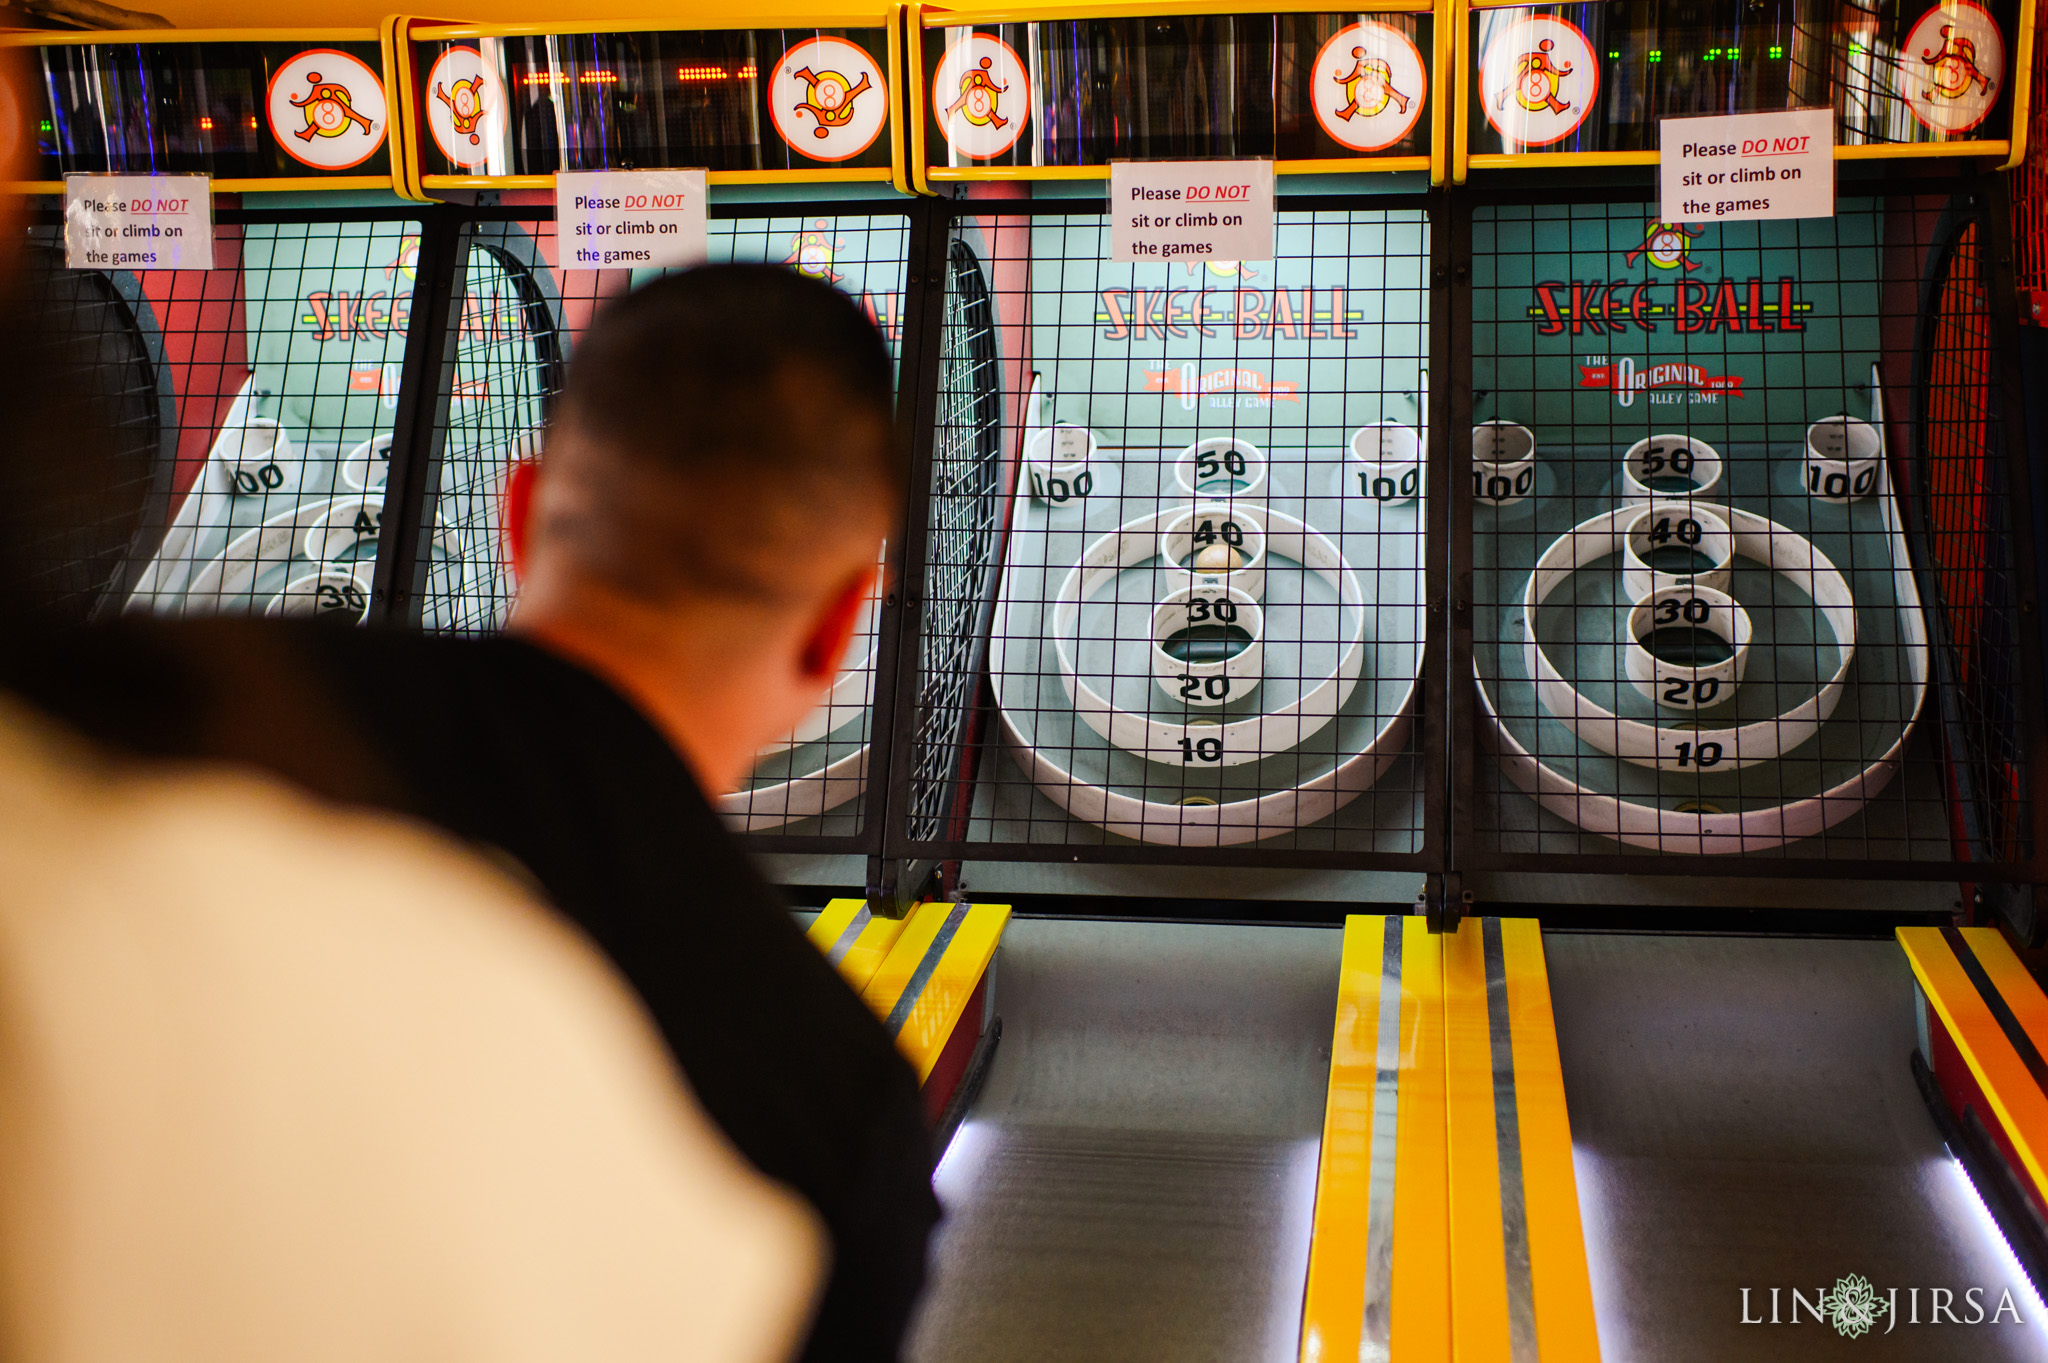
{"x":1538,"y":80}
{"x":1667,"y":245}
{"x":1691,"y":306}
{"x":1368,"y":86}
{"x":828,"y":100}
{"x":1952,"y":61}
{"x":1222,"y":386}
{"x":465,"y":107}
{"x":811,"y":252}
{"x":982,"y":96}
{"x":327,"y":109}
{"x":1248,"y":314}
{"x":1625,"y":380}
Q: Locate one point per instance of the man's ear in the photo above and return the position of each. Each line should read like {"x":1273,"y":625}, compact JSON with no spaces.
{"x":833,"y":631}
{"x":519,"y":488}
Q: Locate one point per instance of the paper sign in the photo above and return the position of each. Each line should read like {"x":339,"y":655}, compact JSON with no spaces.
{"x":1744,"y":167}
{"x":138,"y":222}
{"x":630,"y":219}
{"x":1190,"y":210}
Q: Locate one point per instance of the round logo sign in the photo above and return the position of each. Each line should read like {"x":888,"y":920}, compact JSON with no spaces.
{"x":465,"y":107}
{"x":1952,"y":66}
{"x":1369,"y":84}
{"x":827,"y":99}
{"x":981,"y":96}
{"x":1539,"y":78}
{"x":327,"y":109}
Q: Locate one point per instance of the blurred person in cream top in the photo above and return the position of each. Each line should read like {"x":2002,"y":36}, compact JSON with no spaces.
{"x":279,"y":1082}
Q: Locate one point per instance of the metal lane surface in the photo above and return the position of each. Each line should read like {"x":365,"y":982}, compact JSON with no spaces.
{"x":1138,"y":1176}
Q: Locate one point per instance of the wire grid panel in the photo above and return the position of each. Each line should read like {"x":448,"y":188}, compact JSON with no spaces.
{"x":99,"y":369}
{"x":517,"y":330}
{"x":1207,"y":628}
{"x":1961,"y":497}
{"x":1697,"y":629}
{"x":275,"y":386}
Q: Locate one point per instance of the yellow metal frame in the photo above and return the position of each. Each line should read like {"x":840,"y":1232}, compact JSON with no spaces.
{"x":123,"y":37}
{"x":1461,"y":91}
{"x":961,"y":967}
{"x":1052,"y":11}
{"x":913,"y":57}
{"x":2022,"y":87}
{"x":2012,"y":149}
{"x":921,"y":16}
{"x":868,"y":950}
{"x":2018,"y":1104}
{"x":400,"y":31}
{"x":394,"y":134}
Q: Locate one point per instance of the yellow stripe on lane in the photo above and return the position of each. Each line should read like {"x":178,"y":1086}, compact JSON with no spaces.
{"x":1422,"y":1252}
{"x":2016,"y":1100}
{"x":858,"y":960}
{"x":1478,"y":1251}
{"x":938,"y":1008}
{"x":1334,"y":1306}
{"x":1384,"y":1264}
{"x":2018,"y":988}
{"x":923,"y":1024}
{"x":1565,"y":1327}
{"x":1518,"y":1255}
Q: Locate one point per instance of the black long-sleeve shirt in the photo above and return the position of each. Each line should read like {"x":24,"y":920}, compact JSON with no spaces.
{"x":511,"y":748}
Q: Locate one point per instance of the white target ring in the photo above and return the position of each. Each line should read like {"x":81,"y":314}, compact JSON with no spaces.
{"x":1674,"y":527}
{"x":1220,"y":467}
{"x":1240,"y":741}
{"x":1386,"y":462}
{"x":1205,"y":683}
{"x":1669,"y":459}
{"x":1687,"y":686}
{"x":1503,"y":463}
{"x":1693,"y":748}
{"x":1841,"y":459}
{"x":1218,"y":545}
{"x":1056,"y":464}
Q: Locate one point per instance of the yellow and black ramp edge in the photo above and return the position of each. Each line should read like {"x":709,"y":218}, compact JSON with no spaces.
{"x":1520,"y":1291}
{"x":854,"y":940}
{"x":933,"y":994}
{"x":1983,"y":1037}
{"x":1378,"y":1269}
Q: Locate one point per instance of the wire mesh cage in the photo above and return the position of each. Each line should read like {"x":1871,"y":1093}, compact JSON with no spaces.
{"x":1717,"y":471}
{"x":516,"y":316}
{"x":251,"y":407}
{"x":1206,"y":631}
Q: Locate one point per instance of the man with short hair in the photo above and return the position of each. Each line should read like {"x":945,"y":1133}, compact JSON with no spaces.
{"x":696,"y":549}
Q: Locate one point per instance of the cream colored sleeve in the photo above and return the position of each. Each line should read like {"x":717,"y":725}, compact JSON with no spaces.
{"x":280,"y":1083}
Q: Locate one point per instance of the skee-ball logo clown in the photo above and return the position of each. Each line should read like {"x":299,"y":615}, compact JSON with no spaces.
{"x":1538,"y":79}
{"x":464,"y":107}
{"x":1953,"y":66}
{"x":327,"y":109}
{"x":828,"y":100}
{"x":982,"y":96}
{"x":1369,"y":86}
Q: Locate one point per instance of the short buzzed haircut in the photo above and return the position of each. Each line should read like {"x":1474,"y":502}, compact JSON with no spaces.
{"x":749,"y":396}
